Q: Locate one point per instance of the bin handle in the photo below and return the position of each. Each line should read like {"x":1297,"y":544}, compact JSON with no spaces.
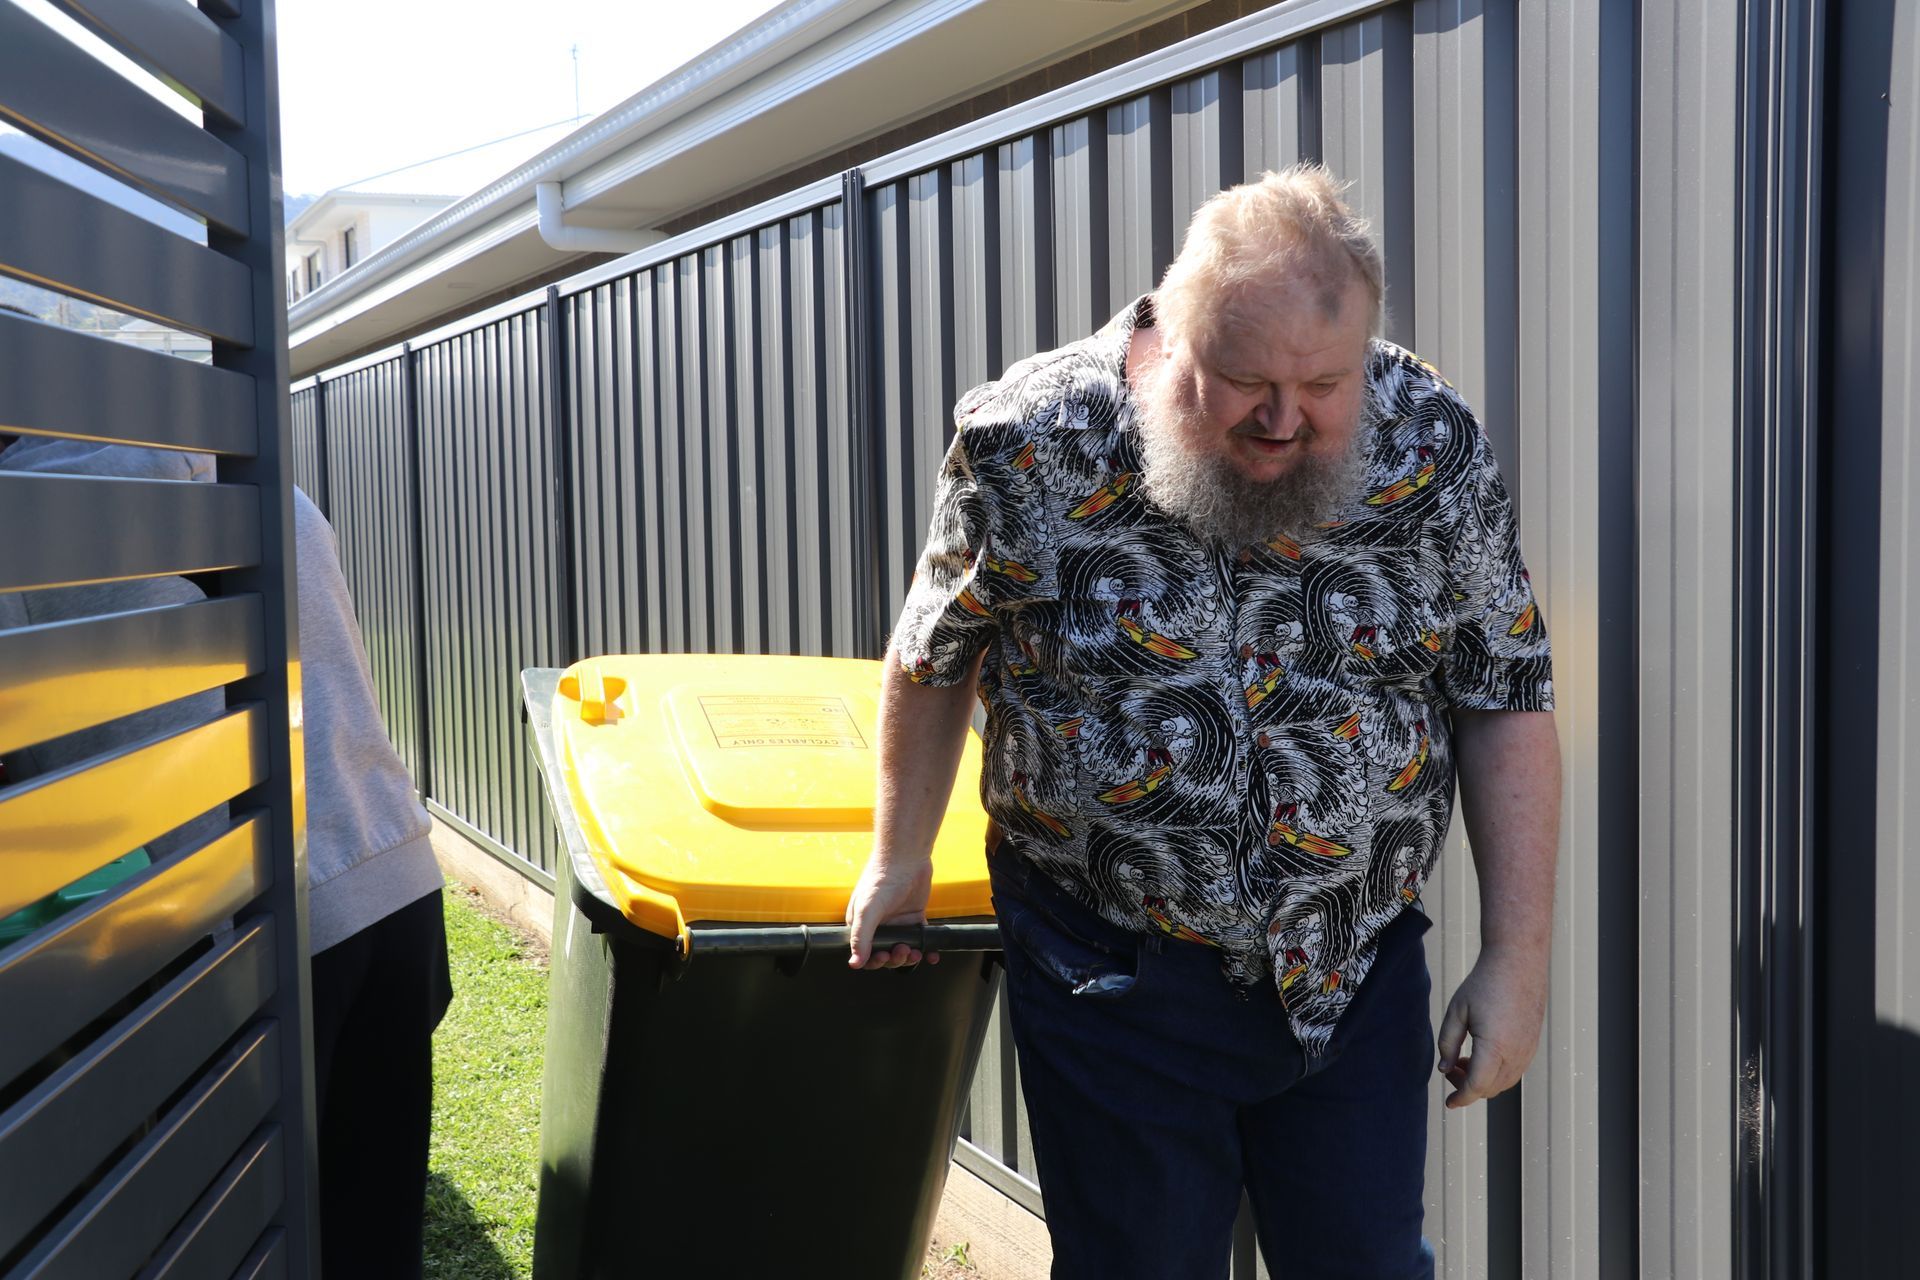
{"x":703,"y":939}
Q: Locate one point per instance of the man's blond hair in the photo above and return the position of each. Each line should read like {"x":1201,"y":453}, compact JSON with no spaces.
{"x":1285,"y":227}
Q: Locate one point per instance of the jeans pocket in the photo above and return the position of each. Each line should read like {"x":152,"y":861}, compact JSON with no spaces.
{"x":1046,"y":950}
{"x":1392,"y":1003}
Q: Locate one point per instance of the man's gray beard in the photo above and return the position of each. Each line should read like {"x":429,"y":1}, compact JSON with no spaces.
{"x":1211,"y":496}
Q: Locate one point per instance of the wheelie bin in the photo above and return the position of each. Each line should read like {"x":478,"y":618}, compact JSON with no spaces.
{"x":723,"y":1096}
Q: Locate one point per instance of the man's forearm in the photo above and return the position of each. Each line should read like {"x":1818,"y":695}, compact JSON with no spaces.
{"x":1509,"y":767}
{"x":922,"y":732}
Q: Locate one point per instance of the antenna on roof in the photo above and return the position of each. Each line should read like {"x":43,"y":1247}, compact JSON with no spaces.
{"x":576,"y":80}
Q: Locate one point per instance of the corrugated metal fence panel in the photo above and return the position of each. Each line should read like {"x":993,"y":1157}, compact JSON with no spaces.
{"x":1366,"y":125}
{"x":766,"y":323}
{"x":753,"y":562}
{"x":712,"y":473}
{"x":1575,"y":360}
{"x":614,"y":587}
{"x":1280,"y":111}
{"x":719,"y":429}
{"x":1554,"y":471}
{"x":1078,"y":151}
{"x":1208,"y":148}
{"x":1457,"y":176}
{"x":668,"y":485}
{"x":371,"y":449}
{"x":488,"y":456}
{"x":156,"y":1102}
{"x":901,"y":438}
{"x":309,"y":461}
{"x":1141,"y":237}
{"x":1024,"y":248}
{"x":687,"y":416}
{"x":1687,"y":433}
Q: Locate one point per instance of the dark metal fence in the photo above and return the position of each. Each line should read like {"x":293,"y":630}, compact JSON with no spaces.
{"x":1605,"y":223}
{"x":492,"y":600}
{"x":156,"y":1110}
{"x":371,"y":434}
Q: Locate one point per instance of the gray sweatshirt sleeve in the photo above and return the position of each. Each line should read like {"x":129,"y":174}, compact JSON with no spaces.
{"x":368,"y":852}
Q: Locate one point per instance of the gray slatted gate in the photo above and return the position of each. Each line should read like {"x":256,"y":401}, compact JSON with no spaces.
{"x":155,"y":1107}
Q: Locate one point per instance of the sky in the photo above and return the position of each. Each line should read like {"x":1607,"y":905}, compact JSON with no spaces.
{"x":371,"y":85}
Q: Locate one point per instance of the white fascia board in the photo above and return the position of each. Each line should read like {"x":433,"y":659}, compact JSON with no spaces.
{"x":515,"y":223}
{"x":887,"y":27}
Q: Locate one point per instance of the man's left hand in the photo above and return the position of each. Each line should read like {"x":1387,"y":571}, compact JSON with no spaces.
{"x":1500,"y":1005}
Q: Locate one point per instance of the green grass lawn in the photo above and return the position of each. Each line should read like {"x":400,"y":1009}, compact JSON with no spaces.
{"x":487,"y":1057}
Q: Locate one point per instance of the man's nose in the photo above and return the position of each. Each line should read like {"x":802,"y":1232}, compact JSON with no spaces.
{"x":1279,"y":415}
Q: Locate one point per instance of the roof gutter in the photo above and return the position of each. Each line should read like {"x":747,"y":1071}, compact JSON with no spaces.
{"x":782,"y":35}
{"x":551,"y":202}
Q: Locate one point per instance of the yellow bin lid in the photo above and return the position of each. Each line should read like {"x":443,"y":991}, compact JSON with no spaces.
{"x":741,"y":788}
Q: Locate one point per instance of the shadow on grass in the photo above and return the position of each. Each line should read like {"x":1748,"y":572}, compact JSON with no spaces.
{"x":457,"y":1244}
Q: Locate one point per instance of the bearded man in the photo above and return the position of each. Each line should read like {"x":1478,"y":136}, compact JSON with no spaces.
{"x":1238,"y":584}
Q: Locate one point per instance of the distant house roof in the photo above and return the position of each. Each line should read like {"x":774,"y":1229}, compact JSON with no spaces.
{"x":430,"y":184}
{"x":154,"y":336}
{"x":318,"y":214}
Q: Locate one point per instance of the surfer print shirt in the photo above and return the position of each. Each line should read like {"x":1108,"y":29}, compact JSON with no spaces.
{"x":1244,"y":748}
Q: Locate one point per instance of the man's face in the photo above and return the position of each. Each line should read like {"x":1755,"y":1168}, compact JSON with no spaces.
{"x":1276,"y":382}
{"x":1255,"y":427}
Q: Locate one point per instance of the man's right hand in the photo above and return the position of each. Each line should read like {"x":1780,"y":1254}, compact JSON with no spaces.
{"x":922,"y":731}
{"x":888,"y":892}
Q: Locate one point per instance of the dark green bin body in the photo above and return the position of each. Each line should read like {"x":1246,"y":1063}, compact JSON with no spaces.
{"x":739,"y":1114}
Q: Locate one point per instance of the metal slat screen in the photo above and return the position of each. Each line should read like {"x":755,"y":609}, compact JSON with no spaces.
{"x":155,"y":1108}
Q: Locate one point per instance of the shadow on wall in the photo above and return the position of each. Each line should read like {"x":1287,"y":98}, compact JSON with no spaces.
{"x":457,"y":1244}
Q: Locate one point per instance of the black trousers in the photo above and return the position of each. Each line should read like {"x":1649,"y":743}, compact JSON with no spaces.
{"x":376,"y":999}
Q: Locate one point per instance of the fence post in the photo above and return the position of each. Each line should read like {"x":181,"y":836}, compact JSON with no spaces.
{"x":322,"y":465}
{"x":416,"y":487}
{"x":566,"y":637}
{"x":278,"y":798}
{"x":1780,"y":832}
{"x":869,"y":624}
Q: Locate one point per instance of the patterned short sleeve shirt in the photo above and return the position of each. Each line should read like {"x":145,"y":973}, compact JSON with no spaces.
{"x":1246,"y":749}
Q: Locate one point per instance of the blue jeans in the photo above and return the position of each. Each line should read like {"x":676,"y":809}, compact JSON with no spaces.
{"x":1157,"y":1091}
